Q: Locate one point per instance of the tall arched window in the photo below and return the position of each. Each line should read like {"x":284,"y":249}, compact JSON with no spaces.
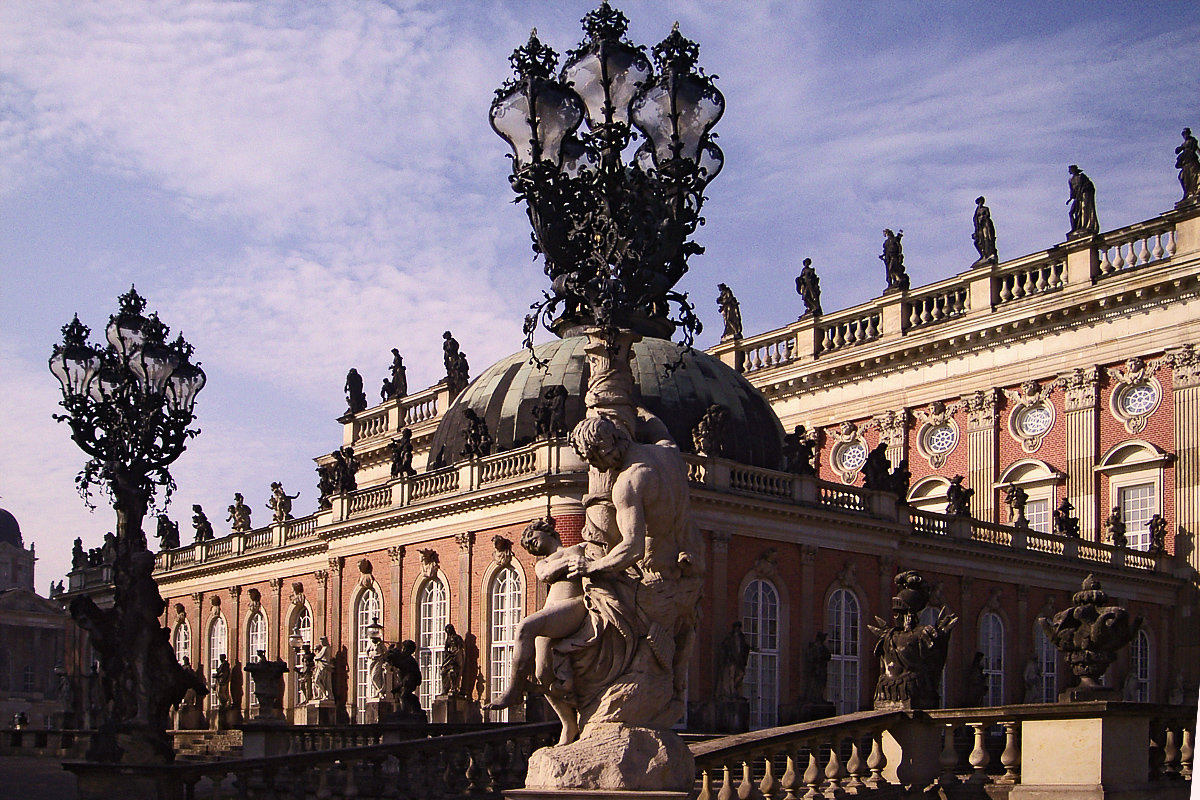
{"x":760,"y":623}
{"x":182,"y":641}
{"x":991,"y":644}
{"x":1047,"y":656}
{"x":366,"y":611}
{"x":302,"y":626}
{"x":433,"y":611}
{"x":1139,"y":667}
{"x":256,"y":639}
{"x":929,"y":616}
{"x":218,"y":645}
{"x":505,"y":596}
{"x":842,"y":615}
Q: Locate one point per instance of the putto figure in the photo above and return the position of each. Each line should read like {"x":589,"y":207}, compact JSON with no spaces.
{"x":985,"y":233}
{"x":1187,"y":161}
{"x":1114,"y":527}
{"x":731,"y":312}
{"x":1016,"y":498}
{"x":550,"y":414}
{"x":893,"y":261}
{"x":808,"y":286}
{"x":1084,"y":221}
{"x":402,"y":455}
{"x":958,"y":497}
{"x":239,"y":514}
{"x":280,"y":503}
{"x":1065,"y":524}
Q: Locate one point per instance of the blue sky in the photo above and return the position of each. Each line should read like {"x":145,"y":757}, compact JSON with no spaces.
{"x":299,"y":187}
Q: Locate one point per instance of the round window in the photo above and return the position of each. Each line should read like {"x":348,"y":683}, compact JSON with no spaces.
{"x":941,"y":439}
{"x":852,"y":456}
{"x":1139,"y":399}
{"x":1035,"y":420}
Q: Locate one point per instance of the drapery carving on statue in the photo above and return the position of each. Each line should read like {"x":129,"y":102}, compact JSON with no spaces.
{"x":622,"y":627}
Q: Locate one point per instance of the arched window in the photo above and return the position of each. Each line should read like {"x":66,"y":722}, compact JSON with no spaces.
{"x":182,"y":641}
{"x":302,"y":626}
{"x":1139,"y":667}
{"x":433,"y":611}
{"x":991,"y":644}
{"x":841,"y":615}
{"x":218,"y":645}
{"x":256,"y":639}
{"x":366,"y":611}
{"x":505,"y":596}
{"x":1047,"y":656}
{"x":929,"y":616}
{"x":760,"y":623}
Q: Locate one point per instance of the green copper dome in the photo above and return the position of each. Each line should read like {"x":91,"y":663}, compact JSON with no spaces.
{"x":507,"y":392}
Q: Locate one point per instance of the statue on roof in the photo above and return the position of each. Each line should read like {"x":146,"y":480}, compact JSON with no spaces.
{"x":1114,"y":528}
{"x":1066,"y":524}
{"x":876,"y":470}
{"x":1084,"y":221}
{"x":345,"y":469}
{"x":1016,"y":498}
{"x":326,"y":485}
{"x":958,"y":498}
{"x":731,"y":312}
{"x":356,"y":398}
{"x":550,"y":414}
{"x":478,"y":440}
{"x":395,"y":385}
{"x":1187,"y":161}
{"x":79,"y":558}
{"x":893,"y":261}
{"x":985,"y":233}
{"x":280,"y":503}
{"x":239,"y":514}
{"x":710,"y":437}
{"x":167,"y":533}
{"x":203,"y":528}
{"x":401,"y":449}
{"x":798,"y":452}
{"x":808,"y":286}
{"x":458,"y":371}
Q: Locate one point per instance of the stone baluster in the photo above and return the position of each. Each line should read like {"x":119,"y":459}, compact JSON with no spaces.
{"x":323,"y":790}
{"x":979,"y":759}
{"x":706,"y":792}
{"x":856,"y":766}
{"x":948,"y":759}
{"x":1010,"y":759}
{"x":1157,"y":251}
{"x":1105,"y":265}
{"x":1171,"y":243}
{"x":474,"y":773}
{"x":747,"y":790}
{"x":835,"y":771}
{"x":726,"y":792}
{"x":1170,"y":750}
{"x":1042,"y":284}
{"x":827,"y":340}
{"x":873,"y":326}
{"x":791,"y":781}
{"x":1005,"y":290}
{"x":1186,"y":752}
{"x":876,"y":761}
{"x":350,"y":784}
{"x":1119,"y":261}
{"x":770,"y":786}
{"x":1143,"y":252}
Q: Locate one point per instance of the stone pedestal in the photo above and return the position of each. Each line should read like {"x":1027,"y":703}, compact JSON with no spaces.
{"x":229,"y":718}
{"x":319,"y":713}
{"x":192,"y":718}
{"x":262,"y":738}
{"x":1080,"y":694}
{"x":377,"y":710}
{"x":455,"y":710}
{"x":912,"y":749}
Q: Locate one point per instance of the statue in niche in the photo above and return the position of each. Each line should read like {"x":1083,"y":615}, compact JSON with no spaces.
{"x":1114,"y":528}
{"x":239,"y":514}
{"x":985,"y":234}
{"x":1084,"y":221}
{"x":478,"y":439}
{"x":1016,"y":498}
{"x":280,"y":503}
{"x":356,"y":398}
{"x":401,"y":449}
{"x":731,"y":312}
{"x":710,"y":436}
{"x":222,"y":675}
{"x":345,"y":469}
{"x":451,"y":666}
{"x":808,"y":286}
{"x":322,"y":675}
{"x":876,"y":469}
{"x":79,"y":558}
{"x":911,"y":654}
{"x":167,"y":533}
{"x":1064,"y":523}
{"x":1187,"y":161}
{"x":958,"y":498}
{"x":407,"y":674}
{"x":816,"y":668}
{"x":893,"y":261}
{"x":732,"y":656}
{"x":395,"y":385}
{"x":798,"y":452}
{"x":1158,"y":535}
{"x":203,"y":528}
{"x":550,"y":414}
{"x":1031,"y":677}
{"x":1089,"y":634}
{"x":326,"y":485}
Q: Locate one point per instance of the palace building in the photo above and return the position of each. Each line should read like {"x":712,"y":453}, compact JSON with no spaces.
{"x":1069,"y":373}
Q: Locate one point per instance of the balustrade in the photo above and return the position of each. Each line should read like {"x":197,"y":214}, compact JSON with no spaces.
{"x":374,"y":423}
{"x":507,"y":465}
{"x":937,"y":307}
{"x":368,"y":500}
{"x":433,"y":484}
{"x":1027,"y":280}
{"x":255,"y":540}
{"x":295,"y":530}
{"x":771,"y":353}
{"x":843,"y":497}
{"x":760,"y":481}
{"x":419,"y":408}
{"x":929,"y":523}
{"x":1136,"y":246}
{"x":991,"y":533}
{"x":849,"y":332}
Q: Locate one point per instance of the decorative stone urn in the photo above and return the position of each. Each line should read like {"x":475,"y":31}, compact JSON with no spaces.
{"x":1089,"y":633}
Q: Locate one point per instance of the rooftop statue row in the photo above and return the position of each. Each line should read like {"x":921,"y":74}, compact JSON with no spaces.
{"x":395,"y":385}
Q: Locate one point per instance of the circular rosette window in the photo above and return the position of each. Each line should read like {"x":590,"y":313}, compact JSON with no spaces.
{"x":935,"y":442}
{"x":1133,"y":403}
{"x":847,"y":459}
{"x":1030,"y":423}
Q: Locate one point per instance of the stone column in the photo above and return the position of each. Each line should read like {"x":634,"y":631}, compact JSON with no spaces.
{"x":1082,"y":435}
{"x":981,"y":452}
{"x":465,"y":540}
{"x":335,"y":603}
{"x":719,"y":584}
{"x":282,"y":633}
{"x":393,"y":632}
{"x":320,"y":603}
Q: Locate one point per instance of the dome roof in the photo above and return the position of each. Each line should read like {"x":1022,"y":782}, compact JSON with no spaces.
{"x":506,"y":393}
{"x":10,"y":531}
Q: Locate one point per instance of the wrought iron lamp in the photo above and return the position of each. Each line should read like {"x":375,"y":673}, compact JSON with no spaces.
{"x":615,"y":236}
{"x":129,"y":405}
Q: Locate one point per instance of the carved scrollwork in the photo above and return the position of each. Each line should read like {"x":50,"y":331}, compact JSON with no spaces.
{"x":981,"y":410}
{"x":1185,"y":365}
{"x":848,"y":453}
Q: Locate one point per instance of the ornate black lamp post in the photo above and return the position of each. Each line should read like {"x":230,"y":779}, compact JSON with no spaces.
{"x":614,"y":235}
{"x":129,"y":405}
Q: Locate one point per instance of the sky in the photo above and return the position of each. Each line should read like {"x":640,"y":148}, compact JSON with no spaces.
{"x":298,"y":187}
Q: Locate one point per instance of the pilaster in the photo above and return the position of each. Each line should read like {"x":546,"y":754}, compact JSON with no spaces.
{"x":335,"y":602}
{"x":281,"y":631}
{"x":981,"y":452}
{"x":320,"y":603}
{"x":465,"y":542}
{"x":1185,"y":364}
{"x":719,"y":575}
{"x":893,"y":431}
{"x":808,"y":582}
{"x":395,"y":620}
{"x":1082,"y":429}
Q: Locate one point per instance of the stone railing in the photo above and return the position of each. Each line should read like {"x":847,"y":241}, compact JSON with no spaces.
{"x":41,"y":742}
{"x":285,"y":739}
{"x":255,"y":540}
{"x":479,"y":764}
{"x":295,"y":530}
{"x":506,"y":466}
{"x":433,"y":484}
{"x":420,"y":407}
{"x":978,"y":292}
{"x":764,"y":482}
{"x":840,"y":496}
{"x":389,"y":418}
{"x":973,"y":752}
